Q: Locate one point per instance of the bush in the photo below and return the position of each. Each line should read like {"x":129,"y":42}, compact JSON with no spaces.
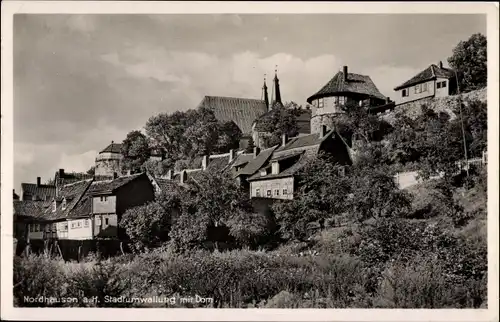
{"x":37,"y":276}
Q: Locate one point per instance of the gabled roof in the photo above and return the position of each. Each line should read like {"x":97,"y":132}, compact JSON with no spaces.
{"x":73,"y":193}
{"x":254,"y":165}
{"x":299,"y":142}
{"x":242,"y":111}
{"x":113,"y":148}
{"x":431,"y":72}
{"x":242,"y":159}
{"x":29,"y":208}
{"x":41,"y":191}
{"x":356,"y":83}
{"x":110,"y":186}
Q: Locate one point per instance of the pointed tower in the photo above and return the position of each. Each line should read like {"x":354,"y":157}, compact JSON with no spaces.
{"x":276,"y":91}
{"x":265,"y":97}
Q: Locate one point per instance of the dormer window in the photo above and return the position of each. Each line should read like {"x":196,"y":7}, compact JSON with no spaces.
{"x":64,"y":204}
{"x":321,"y":103}
{"x":275,"y":167}
{"x":54,"y":206}
{"x":263,"y":172}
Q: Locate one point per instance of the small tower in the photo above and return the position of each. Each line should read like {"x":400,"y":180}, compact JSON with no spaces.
{"x":108,"y":161}
{"x":276,"y":97}
{"x":265,"y":97}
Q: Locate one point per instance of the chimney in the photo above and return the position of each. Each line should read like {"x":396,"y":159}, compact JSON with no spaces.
{"x":115,"y":175}
{"x":284,"y":139}
{"x":169,"y":174}
{"x":61,"y":173}
{"x":440,"y":64}
{"x":387,"y":100}
{"x":256,"y":151}
{"x":38,"y":181}
{"x":204,"y":162}
{"x":322,"y":131}
{"x":344,"y":71}
{"x":231,"y":155}
{"x":183,"y":176}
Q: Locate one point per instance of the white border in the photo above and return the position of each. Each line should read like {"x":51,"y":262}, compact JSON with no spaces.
{"x":9,"y":312}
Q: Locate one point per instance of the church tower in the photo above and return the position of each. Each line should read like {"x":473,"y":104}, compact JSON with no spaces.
{"x":276,"y":97}
{"x":265,"y":97}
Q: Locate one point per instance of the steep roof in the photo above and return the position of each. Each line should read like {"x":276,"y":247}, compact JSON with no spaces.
{"x":41,"y":191}
{"x":242,"y":111}
{"x":109,"y":186}
{"x":431,"y":72}
{"x":356,"y":83}
{"x":299,"y":142}
{"x":254,"y":165}
{"x":113,"y":148}
{"x":30,"y":208}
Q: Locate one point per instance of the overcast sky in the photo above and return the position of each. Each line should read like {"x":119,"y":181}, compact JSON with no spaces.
{"x":81,"y":81}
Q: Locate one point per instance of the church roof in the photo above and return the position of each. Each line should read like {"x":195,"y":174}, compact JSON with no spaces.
{"x":356,"y":83}
{"x":431,"y":72}
{"x":242,"y":111}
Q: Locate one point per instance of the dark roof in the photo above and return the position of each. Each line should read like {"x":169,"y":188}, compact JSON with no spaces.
{"x":42,"y":191}
{"x":73,"y":193}
{"x":166,"y":185}
{"x":242,"y":111}
{"x":302,"y":141}
{"x":29,"y":208}
{"x":254,"y":165}
{"x":356,"y":83}
{"x":242,"y":159}
{"x":113,"y":148}
{"x":109,"y":186}
{"x":68,"y":178}
{"x":427,"y":74}
{"x":280,"y":157}
{"x":306,"y":155}
{"x":219,"y":163}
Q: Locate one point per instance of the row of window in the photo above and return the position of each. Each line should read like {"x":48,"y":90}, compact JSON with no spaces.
{"x":270,"y":194}
{"x":53,"y":227}
{"x":420,"y":88}
{"x":338,"y":100}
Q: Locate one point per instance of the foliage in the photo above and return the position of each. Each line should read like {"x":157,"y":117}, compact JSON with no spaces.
{"x":278,"y":121}
{"x":250,"y":146}
{"x":469,"y":59}
{"x":135,"y":150}
{"x":91,"y":170}
{"x":149,"y":225}
{"x":157,"y":168}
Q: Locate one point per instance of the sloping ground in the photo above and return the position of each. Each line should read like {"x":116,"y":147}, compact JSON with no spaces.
{"x":440,"y":104}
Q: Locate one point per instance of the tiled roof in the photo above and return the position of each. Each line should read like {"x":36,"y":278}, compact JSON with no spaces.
{"x":43,"y":191}
{"x":302,"y":141}
{"x":242,"y":111}
{"x":73,"y":193}
{"x":218,"y":163}
{"x":166,"y":185}
{"x":356,"y":83}
{"x":68,"y":178}
{"x":306,"y":155}
{"x":29,"y":208}
{"x":242,"y":159}
{"x":113,"y":148}
{"x":427,"y":74}
{"x":111,"y":185}
{"x":254,"y":165}
{"x":282,"y":156}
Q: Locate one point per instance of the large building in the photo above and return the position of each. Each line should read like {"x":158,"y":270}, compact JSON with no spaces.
{"x":342,"y":90}
{"x":434,"y":81}
{"x":108,"y":161}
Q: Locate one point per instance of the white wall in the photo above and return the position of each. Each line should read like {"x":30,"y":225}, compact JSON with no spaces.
{"x":273,"y":185}
{"x":412,"y":96}
{"x":80,"y":228}
{"x":104,"y":204}
{"x":443,"y":91}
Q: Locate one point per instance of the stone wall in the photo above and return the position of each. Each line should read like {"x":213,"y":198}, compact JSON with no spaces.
{"x":440,"y":104}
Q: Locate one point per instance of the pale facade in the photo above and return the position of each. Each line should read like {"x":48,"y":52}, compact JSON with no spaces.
{"x":279,"y":188}
{"x":108,"y":163}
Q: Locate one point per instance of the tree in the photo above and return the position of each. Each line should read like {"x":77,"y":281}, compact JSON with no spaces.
{"x":280,"y":120}
{"x":135,"y":150}
{"x":149,"y":225}
{"x":469,"y":59}
{"x":250,"y":146}
{"x":91,"y":171}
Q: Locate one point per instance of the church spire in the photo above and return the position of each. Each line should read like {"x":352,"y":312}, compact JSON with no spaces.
{"x":265,"y":97}
{"x":277,"y":93}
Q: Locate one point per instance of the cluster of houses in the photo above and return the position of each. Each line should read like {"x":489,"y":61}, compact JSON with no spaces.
{"x":82,"y":206}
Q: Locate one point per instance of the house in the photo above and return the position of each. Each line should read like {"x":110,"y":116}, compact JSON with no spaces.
{"x":87,"y":209}
{"x":276,"y":179}
{"x":343,"y":89}
{"x":37,"y":191}
{"x":247,"y":164}
{"x":434,"y":81}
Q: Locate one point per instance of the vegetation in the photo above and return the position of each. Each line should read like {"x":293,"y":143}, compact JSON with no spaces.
{"x":278,"y":121}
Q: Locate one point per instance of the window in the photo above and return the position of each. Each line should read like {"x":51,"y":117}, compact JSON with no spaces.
{"x":79,"y":224}
{"x":277,"y":192}
{"x":443,"y":84}
{"x":321,"y":103}
{"x":342,"y":100}
{"x":37,"y":227}
{"x":104,"y":198}
{"x":269,"y":193}
{"x":65,"y":227}
{"x":106,"y":221}
{"x":257,"y":192}
{"x":418,"y":88}
{"x":405,"y":92}
{"x":438,"y":85}
{"x":31,"y":228}
{"x":72,"y":225}
{"x":98,"y":220}
{"x":424,"y":87}
{"x":64,"y":204}
{"x":285,"y":191}
{"x":54,"y":206}
{"x":86,"y":223}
